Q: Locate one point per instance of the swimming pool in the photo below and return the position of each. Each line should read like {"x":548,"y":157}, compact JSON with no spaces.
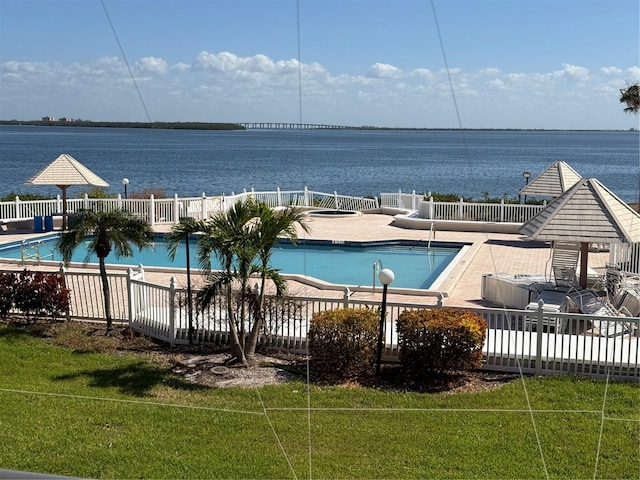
{"x":415,"y":264}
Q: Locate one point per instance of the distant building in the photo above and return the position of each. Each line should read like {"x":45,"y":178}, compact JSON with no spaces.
{"x":48,"y":119}
{"x":65,"y":119}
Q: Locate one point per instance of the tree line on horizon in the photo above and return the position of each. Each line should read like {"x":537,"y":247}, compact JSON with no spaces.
{"x":157,"y":125}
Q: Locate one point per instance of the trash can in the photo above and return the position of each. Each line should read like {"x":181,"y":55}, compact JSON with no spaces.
{"x":38,"y":224}
{"x":48,"y":223}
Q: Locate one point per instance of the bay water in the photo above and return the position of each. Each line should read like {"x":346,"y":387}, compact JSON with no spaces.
{"x":471,"y":163}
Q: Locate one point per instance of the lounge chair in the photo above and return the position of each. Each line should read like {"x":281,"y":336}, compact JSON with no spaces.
{"x":564,"y":262}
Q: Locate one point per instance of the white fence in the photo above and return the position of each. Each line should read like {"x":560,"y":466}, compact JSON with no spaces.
{"x":159,"y":211}
{"x":529,"y":341}
{"x":460,"y":210}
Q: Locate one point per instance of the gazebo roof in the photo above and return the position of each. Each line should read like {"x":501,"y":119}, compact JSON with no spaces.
{"x":64,"y":171}
{"x":556,"y":179}
{"x":589,"y":212}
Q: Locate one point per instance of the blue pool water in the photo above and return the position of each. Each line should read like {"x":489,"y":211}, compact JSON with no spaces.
{"x":350,"y":263}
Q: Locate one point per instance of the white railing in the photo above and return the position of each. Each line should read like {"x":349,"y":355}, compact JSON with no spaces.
{"x":626,"y":256}
{"x":529,"y":341}
{"x":170,"y":210}
{"x":460,"y":210}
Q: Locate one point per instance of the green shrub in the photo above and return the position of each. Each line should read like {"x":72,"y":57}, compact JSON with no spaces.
{"x":342,"y":343}
{"x":25,"y":197}
{"x":439,"y":340}
{"x":147,"y":192}
{"x":97,"y":192}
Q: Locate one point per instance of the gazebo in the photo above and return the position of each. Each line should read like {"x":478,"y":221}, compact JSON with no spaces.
{"x":586,"y":213}
{"x":64,"y":172}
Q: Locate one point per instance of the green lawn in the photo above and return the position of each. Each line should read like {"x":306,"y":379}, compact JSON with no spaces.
{"x":118,"y":416}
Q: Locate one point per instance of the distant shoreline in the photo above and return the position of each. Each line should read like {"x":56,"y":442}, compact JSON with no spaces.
{"x":236,"y":126}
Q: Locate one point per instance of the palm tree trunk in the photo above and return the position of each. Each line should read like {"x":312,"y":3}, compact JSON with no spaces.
{"x":236,"y":348}
{"x":252,"y":341}
{"x":106,"y":293}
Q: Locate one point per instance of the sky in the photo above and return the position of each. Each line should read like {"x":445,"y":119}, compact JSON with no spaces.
{"x":539,"y":64}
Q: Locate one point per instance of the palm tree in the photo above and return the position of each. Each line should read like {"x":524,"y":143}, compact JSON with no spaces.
{"x":631,"y":96}
{"x":179,"y":232}
{"x":272,"y":226}
{"x":115,"y":229}
{"x":242,"y":238}
{"x":230,"y":235}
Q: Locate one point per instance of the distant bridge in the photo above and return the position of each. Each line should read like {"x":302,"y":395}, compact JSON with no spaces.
{"x":289,"y":126}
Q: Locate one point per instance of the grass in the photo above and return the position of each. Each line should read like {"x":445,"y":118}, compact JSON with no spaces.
{"x":80,"y":413}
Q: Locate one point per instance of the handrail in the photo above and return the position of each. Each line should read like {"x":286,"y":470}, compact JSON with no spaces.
{"x":377,"y":266}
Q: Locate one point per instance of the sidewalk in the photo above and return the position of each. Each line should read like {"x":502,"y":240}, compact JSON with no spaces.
{"x":489,"y":253}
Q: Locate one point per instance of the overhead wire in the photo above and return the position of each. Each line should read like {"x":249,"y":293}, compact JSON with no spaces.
{"x":460,"y":126}
{"x":126,"y":62}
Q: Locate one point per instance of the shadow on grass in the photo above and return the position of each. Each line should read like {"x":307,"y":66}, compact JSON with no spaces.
{"x":137,"y":379}
{"x":11,"y":334}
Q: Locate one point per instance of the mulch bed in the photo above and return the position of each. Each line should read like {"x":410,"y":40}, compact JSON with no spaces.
{"x":209,"y":365}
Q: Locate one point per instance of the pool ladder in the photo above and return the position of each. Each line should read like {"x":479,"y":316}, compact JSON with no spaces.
{"x":377,"y":266}
{"x":31,"y":251}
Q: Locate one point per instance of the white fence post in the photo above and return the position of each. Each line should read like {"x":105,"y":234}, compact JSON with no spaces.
{"x":460,"y":209}
{"x":172,"y":311}
{"x":346,"y":296}
{"x":131,"y":295}
{"x":279,"y":198}
{"x":306,"y":197}
{"x":539,"y":322}
{"x":502,"y":209}
{"x":62,"y":270}
{"x":413,"y":200}
{"x":432,"y":208}
{"x":86,"y":203}
{"x":18,"y":213}
{"x":203,"y":207}
{"x":176,"y":209}
{"x":152,"y":210}
{"x":335,"y":199}
{"x":119,"y":202}
{"x":58,"y":203}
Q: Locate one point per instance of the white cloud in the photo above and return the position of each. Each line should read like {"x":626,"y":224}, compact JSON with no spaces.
{"x":383,"y":70}
{"x":231,"y":86}
{"x":489,"y":71}
{"x":633,"y":74}
{"x":611,"y":70}
{"x":575,"y":72}
{"x":152,"y":65}
{"x":181,"y":67}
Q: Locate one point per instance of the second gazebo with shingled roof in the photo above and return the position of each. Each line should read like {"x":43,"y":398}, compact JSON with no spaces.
{"x":556,"y":179}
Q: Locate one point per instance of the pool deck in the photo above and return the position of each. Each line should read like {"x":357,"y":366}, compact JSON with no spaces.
{"x":489,"y":253}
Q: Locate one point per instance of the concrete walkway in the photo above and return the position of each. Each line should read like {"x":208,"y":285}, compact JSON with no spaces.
{"x":489,"y":253}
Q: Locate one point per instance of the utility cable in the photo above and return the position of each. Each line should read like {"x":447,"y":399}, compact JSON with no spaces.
{"x":126,"y":62}
{"x":457,"y":110}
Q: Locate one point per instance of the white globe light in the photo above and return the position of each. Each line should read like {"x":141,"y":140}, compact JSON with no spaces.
{"x":386,"y":276}
{"x":125,"y":181}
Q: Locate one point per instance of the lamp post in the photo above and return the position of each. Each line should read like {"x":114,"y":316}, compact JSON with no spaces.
{"x":526,"y":176}
{"x":385,"y":276}
{"x":125,"y":182}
